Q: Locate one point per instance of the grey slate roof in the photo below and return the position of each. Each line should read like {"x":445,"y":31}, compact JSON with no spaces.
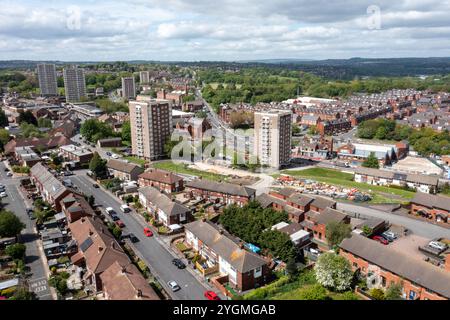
{"x":53,"y":186}
{"x":230,"y":251}
{"x":330,"y":215}
{"x":163,"y":202}
{"x":221,"y":187}
{"x":418,"y":271}
{"x":300,"y":199}
{"x":323,"y":203}
{"x":267,"y":200}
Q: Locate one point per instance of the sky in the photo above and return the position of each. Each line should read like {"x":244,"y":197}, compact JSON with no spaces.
{"x":227,"y":30}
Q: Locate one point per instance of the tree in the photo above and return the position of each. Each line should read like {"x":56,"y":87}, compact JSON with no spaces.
{"x":333,"y":271}
{"x":23,"y":294}
{"x":295,"y":129}
{"x":10,"y":224}
{"x":291,"y":268}
{"x":98,"y":166}
{"x":16,"y":251}
{"x":377,"y":294}
{"x":371,"y":161}
{"x":94,"y":130}
{"x":3,"y":119}
{"x":315,"y":292}
{"x":126,"y":131}
{"x":4,"y":138}
{"x":336,"y":232}
{"x":27,"y":117}
{"x":44,"y":123}
{"x":394,"y":292}
{"x":367,"y":231}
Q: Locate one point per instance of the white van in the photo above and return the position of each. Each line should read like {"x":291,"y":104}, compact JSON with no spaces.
{"x":124,"y":208}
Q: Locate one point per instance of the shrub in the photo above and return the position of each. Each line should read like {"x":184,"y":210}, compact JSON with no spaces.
{"x":377,"y":294}
{"x":16,"y":251}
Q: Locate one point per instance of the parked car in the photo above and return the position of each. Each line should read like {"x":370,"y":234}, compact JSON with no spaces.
{"x":109,"y":154}
{"x":9,"y":174}
{"x":114,"y":156}
{"x":133,"y":238}
{"x":120,"y":223}
{"x":389,"y":236}
{"x":380,"y":239}
{"x":174,"y":286}
{"x":110,"y":211}
{"x":6,"y":169}
{"x":95,"y":185}
{"x":178,"y":263}
{"x":211,"y":295}
{"x":437,"y":245}
{"x":115,"y":217}
{"x":124,"y":208}
{"x":148,"y":232}
{"x":3,"y":194}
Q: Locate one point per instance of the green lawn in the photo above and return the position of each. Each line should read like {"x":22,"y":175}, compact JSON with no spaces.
{"x":346,"y":180}
{"x":135,"y":160}
{"x":183,"y":169}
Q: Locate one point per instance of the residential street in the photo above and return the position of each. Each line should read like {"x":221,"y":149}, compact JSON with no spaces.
{"x":34,"y":254}
{"x":156,"y":254}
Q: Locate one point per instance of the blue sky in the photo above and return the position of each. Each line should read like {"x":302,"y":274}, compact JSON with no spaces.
{"x":222,"y":30}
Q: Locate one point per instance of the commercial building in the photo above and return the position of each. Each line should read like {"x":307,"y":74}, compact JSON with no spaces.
{"x":74,"y":84}
{"x":151,"y":126}
{"x":420,"y":280}
{"x":272,"y":144}
{"x":128,"y":88}
{"x":48,"y":83}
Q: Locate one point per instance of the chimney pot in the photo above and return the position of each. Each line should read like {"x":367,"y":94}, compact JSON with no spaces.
{"x":100,"y":249}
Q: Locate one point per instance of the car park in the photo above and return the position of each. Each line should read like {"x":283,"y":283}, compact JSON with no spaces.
{"x":148,"y":232}
{"x":173,"y":286}
{"x":178,"y":263}
{"x":380,"y":239}
{"x":211,"y":295}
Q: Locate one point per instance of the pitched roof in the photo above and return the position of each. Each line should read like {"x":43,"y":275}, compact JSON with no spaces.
{"x":418,"y":271}
{"x":50,"y":183}
{"x":375,"y":172}
{"x":160,"y":176}
{"x":429,"y":200}
{"x":226,"y":248}
{"x":330,"y":215}
{"x":99,"y":247}
{"x":267,"y":200}
{"x":300,"y":199}
{"x":163,"y":202}
{"x":123,"y":166}
{"x":125,"y":282}
{"x":221,"y":187}
{"x":422,"y":179}
{"x":48,"y":143}
{"x":322,"y":203}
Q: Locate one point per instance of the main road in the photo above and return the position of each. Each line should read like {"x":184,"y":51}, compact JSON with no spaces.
{"x":34,"y":259}
{"x":154,"y":251}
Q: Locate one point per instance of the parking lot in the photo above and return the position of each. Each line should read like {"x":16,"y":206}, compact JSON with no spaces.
{"x":410,"y":245}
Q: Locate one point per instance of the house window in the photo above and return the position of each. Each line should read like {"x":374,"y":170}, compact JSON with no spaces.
{"x":412,"y":295}
{"x":383,"y":281}
{"x":355,"y":265}
{"x":257,"y":272}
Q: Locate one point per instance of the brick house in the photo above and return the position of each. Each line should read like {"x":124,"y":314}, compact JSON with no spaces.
{"x":51,"y":189}
{"x":245,"y":270}
{"x":420,"y":280}
{"x":162,"y":180}
{"x":124,"y":170}
{"x":432,"y":207}
{"x":163,"y":208}
{"x":222,"y":192}
{"x":75,"y":206}
{"x":76,"y":154}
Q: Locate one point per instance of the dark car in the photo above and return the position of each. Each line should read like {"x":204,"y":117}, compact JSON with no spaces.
{"x":115,"y":217}
{"x":178,"y":263}
{"x":95,"y":185}
{"x":133,"y":238}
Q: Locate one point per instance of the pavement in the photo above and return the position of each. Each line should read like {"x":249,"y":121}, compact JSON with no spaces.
{"x":420,"y":228}
{"x":155,"y":252}
{"x":35,"y":258}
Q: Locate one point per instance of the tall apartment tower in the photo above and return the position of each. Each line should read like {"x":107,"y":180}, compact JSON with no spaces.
{"x":151,"y":126}
{"x":272,"y":143}
{"x":74,"y":84}
{"x":48,"y":82}
{"x":128,"y":88}
{"x":144,"y":77}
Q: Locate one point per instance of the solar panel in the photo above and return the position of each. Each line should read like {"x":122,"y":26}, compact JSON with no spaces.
{"x":86,"y":244}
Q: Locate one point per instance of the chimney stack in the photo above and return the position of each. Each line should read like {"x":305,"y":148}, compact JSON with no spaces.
{"x":100,"y":249}
{"x":139,"y":293}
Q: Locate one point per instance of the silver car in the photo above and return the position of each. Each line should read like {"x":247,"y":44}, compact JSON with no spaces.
{"x":173,"y":285}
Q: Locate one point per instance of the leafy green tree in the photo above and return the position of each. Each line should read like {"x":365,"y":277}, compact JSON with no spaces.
{"x":27,"y":117}
{"x":336,"y":232}
{"x":371,"y":161}
{"x":291,"y":268}
{"x":23,"y":294}
{"x":315,"y":292}
{"x":4,"y":138}
{"x":333,"y":271}
{"x":44,"y":123}
{"x":16,"y":251}
{"x":377,"y":294}
{"x":10,"y":224}
{"x":126,"y":131}
{"x":3,"y":119}
{"x":98,"y":166}
{"x":94,"y":130}
{"x":394,"y":292}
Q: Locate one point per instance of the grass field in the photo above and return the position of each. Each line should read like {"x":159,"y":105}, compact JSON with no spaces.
{"x":135,"y":160}
{"x":183,"y":169}
{"x":380,"y":193}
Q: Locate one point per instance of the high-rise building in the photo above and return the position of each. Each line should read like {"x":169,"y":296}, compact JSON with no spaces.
{"x":272,"y":141}
{"x":48,"y":82}
{"x":151,"y":126}
{"x":74,"y":84}
{"x":128,"y":88}
{"x":144,"y":77}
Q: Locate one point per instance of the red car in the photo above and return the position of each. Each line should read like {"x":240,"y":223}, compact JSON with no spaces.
{"x":148,"y":232}
{"x":380,"y":239}
{"x":120,"y":223}
{"x":211,"y":295}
